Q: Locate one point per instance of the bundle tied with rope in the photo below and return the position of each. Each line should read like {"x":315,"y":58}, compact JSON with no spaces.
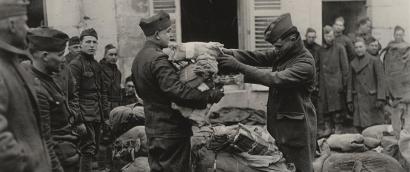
{"x":198,"y":68}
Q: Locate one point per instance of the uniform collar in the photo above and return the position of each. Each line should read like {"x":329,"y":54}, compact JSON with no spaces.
{"x":40,"y":74}
{"x":359,"y":64}
{"x":152,"y":44}
{"x":12,"y":49}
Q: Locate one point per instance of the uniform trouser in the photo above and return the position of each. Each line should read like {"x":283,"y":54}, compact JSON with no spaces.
{"x":89,"y":145}
{"x":169,"y":154}
{"x":400,"y":116}
{"x":296,"y":139}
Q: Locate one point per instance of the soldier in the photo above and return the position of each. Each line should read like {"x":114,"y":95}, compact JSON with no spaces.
{"x":313,"y":48}
{"x":129,"y":96}
{"x":397,"y":69}
{"x":113,"y":75}
{"x":340,"y":38}
{"x":366,"y":90}
{"x":291,"y":114}
{"x":333,"y":74}
{"x":157,"y":82}
{"x":374,"y":47}
{"x":73,"y":49}
{"x":364,"y":30}
{"x":92,"y":96}
{"x":47,"y":47}
{"x":22,"y":148}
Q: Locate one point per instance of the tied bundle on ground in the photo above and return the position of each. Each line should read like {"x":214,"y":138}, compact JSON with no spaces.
{"x":198,"y":67}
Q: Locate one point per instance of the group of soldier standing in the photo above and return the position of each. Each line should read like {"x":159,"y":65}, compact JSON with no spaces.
{"x":54,"y":107}
{"x":360,"y":84}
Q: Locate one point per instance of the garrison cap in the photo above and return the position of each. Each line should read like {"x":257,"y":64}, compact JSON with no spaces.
{"x":278,"y":28}
{"x":12,"y":8}
{"x":47,"y":39}
{"x":155,"y":23}
{"x":88,"y":32}
{"x":74,"y":40}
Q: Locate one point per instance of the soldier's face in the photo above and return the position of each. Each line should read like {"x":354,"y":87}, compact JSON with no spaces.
{"x":163,"y":37}
{"x":74,"y":49}
{"x":339,"y":26}
{"x":89,"y":45}
{"x":360,"y":48}
{"x":283,"y":46}
{"x":111,"y":56}
{"x":310,"y":37}
{"x":399,"y":36}
{"x":53,"y":61}
{"x":373,"y":48}
{"x":19,"y":28}
{"x":129,"y":88}
{"x":329,"y":37}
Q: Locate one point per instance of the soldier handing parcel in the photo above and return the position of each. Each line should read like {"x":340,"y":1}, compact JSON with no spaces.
{"x":47,"y":48}
{"x":157,"y":83}
{"x":291,"y":114}
{"x":21,"y":144}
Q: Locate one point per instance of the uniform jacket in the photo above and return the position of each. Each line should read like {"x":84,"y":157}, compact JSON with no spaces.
{"x":347,"y":43}
{"x":366,"y":86}
{"x":113,"y":82}
{"x":333,"y":73}
{"x":66,"y":81}
{"x":397,"y":70}
{"x":290,"y":113}
{"x":54,"y":113}
{"x":157,"y":83}
{"x":92,"y":90}
{"x":314,"y":50}
{"x":22,"y":147}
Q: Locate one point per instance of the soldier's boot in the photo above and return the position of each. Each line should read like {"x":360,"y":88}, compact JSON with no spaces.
{"x":86,"y":162}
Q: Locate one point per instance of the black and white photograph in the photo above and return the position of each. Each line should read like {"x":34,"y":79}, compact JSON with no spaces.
{"x":204,"y":86}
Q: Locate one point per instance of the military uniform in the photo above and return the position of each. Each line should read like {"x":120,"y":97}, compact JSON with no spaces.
{"x":290,"y":113}
{"x":158,"y":84}
{"x":22,"y":148}
{"x":314,"y":50}
{"x":347,"y":43}
{"x":333,"y":74}
{"x":92,"y":99}
{"x":113,"y":82}
{"x":366,"y":86}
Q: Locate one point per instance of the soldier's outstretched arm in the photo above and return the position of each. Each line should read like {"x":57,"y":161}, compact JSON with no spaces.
{"x":261,"y":58}
{"x":178,"y":92}
{"x":12,"y":156}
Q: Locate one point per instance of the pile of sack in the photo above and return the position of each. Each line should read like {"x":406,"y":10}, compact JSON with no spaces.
{"x":230,"y":146}
{"x":375,"y":149}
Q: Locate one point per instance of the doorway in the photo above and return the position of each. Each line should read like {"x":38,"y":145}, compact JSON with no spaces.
{"x":36,"y":14}
{"x":210,"y":20}
{"x":350,"y":10}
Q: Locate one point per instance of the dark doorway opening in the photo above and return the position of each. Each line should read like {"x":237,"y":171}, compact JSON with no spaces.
{"x":350,"y":10}
{"x":210,"y":20}
{"x":35,"y":13}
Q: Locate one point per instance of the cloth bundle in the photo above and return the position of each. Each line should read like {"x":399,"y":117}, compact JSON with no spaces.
{"x":123,"y":118}
{"x":250,"y":145}
{"x":196,"y":63}
{"x":131,"y":145}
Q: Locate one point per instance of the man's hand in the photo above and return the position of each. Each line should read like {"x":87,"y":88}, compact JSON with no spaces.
{"x":227,"y":51}
{"x":380,"y":104}
{"x":228,"y":62}
{"x":81,"y":129}
{"x":350,"y":107}
{"x":215,"y":96}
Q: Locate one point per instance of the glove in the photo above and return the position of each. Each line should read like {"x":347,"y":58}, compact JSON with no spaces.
{"x":350,"y":107}
{"x":380,"y":104}
{"x":228,"y":62}
{"x":215,"y":96}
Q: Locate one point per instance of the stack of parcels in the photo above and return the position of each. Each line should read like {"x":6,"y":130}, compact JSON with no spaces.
{"x":230,"y":146}
{"x":250,"y":147}
{"x":197,"y":65}
{"x":374,"y":150}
